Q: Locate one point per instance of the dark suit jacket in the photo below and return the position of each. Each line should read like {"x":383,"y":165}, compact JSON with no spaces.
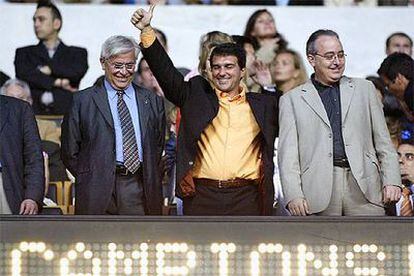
{"x":3,"y":78}
{"x":68,"y":62}
{"x":21,"y":156}
{"x":199,"y":106}
{"x":88,"y":148}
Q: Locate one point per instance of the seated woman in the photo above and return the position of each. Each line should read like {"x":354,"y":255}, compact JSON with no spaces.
{"x":288,"y":70}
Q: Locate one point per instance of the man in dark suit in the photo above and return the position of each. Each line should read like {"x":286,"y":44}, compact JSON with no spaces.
{"x":113,"y":137}
{"x":22,"y":178}
{"x":226,"y":137}
{"x":52,"y":69}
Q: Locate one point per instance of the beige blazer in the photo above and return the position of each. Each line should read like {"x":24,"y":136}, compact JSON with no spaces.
{"x":306,"y":143}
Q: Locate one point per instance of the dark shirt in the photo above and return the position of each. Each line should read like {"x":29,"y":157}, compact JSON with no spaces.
{"x":331,"y":100}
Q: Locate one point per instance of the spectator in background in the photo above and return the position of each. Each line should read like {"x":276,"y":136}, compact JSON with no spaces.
{"x":278,"y":2}
{"x":395,"y":109}
{"x":394,"y":2}
{"x":52,"y":69}
{"x":288,"y":70}
{"x":399,"y":43}
{"x":16,"y":88}
{"x":207,"y":42}
{"x":397,"y":72}
{"x":258,"y":76}
{"x":49,"y":130}
{"x":358,"y":3}
{"x":261,"y":28}
{"x":392,"y":112}
{"x":404,"y":207}
{"x":22,"y":177}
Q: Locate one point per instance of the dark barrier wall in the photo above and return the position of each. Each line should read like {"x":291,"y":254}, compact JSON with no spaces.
{"x":73,"y":245}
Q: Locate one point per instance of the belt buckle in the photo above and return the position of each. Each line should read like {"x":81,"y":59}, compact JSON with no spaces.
{"x":124,"y":172}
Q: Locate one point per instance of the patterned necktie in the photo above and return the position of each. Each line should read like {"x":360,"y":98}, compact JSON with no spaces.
{"x":131,"y":156}
{"x":406,"y":209}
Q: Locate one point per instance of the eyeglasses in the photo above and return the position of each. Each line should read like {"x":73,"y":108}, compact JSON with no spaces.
{"x":331,"y":56}
{"x":117,"y":66}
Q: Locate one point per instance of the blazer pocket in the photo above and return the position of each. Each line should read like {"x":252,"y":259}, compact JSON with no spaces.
{"x":373,"y":161}
{"x":306,"y":169}
{"x":371,"y":187}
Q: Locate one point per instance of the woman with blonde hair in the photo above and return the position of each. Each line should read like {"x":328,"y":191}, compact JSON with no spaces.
{"x":288,"y":70}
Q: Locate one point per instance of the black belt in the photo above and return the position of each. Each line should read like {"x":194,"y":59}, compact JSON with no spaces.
{"x":341,"y":162}
{"x":232,"y":183}
{"x":122,"y":170}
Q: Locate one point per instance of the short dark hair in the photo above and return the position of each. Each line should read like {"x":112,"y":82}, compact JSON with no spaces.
{"x":242,"y":39}
{"x":139,"y":68}
{"x":230,"y":49}
{"x":388,"y":41}
{"x":310,"y":44}
{"x":53,"y":9}
{"x":397,"y":63}
{"x":163,"y":36}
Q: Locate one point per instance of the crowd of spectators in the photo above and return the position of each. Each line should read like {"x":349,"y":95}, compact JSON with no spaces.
{"x":329,"y":3}
{"x":49,"y":73}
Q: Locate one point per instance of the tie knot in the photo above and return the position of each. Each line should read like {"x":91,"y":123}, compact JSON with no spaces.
{"x":406,"y":191}
{"x":120,"y":93}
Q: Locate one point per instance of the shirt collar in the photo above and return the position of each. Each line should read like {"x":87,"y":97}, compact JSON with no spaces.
{"x":239,"y":98}
{"x":129,"y":90}
{"x":54,"y":48}
{"x":320,"y":86}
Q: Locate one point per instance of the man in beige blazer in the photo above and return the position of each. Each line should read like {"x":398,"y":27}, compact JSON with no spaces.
{"x":335,"y":152}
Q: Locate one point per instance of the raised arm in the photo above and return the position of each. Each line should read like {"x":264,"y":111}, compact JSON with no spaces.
{"x":169,"y":78}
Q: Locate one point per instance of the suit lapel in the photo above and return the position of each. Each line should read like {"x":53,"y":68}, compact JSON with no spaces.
{"x":347,"y":90}
{"x":143,"y":110}
{"x":59,"y":50}
{"x":100,"y":98}
{"x":42,"y":51}
{"x":258,"y":109}
{"x":4,"y":112}
{"x":214,"y":103}
{"x":311,"y":97}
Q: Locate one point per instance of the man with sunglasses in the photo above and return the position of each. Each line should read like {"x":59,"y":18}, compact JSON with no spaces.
{"x":335,"y":152}
{"x":113,"y":137}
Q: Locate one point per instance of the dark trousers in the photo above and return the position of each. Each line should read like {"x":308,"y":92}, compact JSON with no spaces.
{"x":127,"y":196}
{"x":214,"y":201}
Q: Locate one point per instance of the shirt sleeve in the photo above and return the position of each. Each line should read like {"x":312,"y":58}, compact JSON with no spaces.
{"x":147,"y":37}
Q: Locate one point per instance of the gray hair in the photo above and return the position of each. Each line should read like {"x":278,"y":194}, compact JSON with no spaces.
{"x":310,"y":44}
{"x":117,"y":45}
{"x":22,"y":84}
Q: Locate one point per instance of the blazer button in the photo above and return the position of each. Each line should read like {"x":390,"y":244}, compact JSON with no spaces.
{"x":191,"y":163}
